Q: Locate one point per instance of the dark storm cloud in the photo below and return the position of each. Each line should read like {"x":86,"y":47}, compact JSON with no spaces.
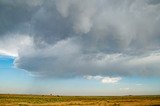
{"x":14,"y":14}
{"x":69,"y":38}
{"x":154,"y":2}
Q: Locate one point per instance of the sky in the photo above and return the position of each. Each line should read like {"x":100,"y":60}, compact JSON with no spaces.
{"x":80,"y":47}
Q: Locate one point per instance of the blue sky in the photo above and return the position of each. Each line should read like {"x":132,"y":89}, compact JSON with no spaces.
{"x":13,"y":80}
{"x":80,"y":47}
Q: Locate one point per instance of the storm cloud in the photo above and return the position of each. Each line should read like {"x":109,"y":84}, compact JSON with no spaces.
{"x":77,"y":38}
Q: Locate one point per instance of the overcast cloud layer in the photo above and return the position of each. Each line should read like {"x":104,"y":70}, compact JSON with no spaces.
{"x":70,"y":38}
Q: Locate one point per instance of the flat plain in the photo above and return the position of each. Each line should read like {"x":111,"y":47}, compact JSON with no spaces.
{"x":51,"y":100}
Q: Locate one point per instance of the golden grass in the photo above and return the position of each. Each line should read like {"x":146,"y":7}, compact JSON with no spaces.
{"x":46,"y":100}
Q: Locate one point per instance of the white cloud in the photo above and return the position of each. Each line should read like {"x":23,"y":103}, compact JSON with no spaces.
{"x":106,"y":80}
{"x":12,"y":43}
{"x":8,"y":53}
{"x":111,"y":79}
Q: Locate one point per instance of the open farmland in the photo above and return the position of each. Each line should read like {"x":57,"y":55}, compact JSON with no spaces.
{"x":47,"y":100}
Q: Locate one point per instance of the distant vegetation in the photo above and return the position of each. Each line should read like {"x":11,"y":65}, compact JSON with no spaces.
{"x":51,"y":100}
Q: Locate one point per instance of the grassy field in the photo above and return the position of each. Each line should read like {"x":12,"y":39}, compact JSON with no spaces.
{"x":46,"y":100}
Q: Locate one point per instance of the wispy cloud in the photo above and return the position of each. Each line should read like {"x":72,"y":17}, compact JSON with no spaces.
{"x":139,"y":84}
{"x":125,"y":89}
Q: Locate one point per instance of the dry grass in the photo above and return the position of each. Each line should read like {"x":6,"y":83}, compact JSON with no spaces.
{"x":46,"y":100}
